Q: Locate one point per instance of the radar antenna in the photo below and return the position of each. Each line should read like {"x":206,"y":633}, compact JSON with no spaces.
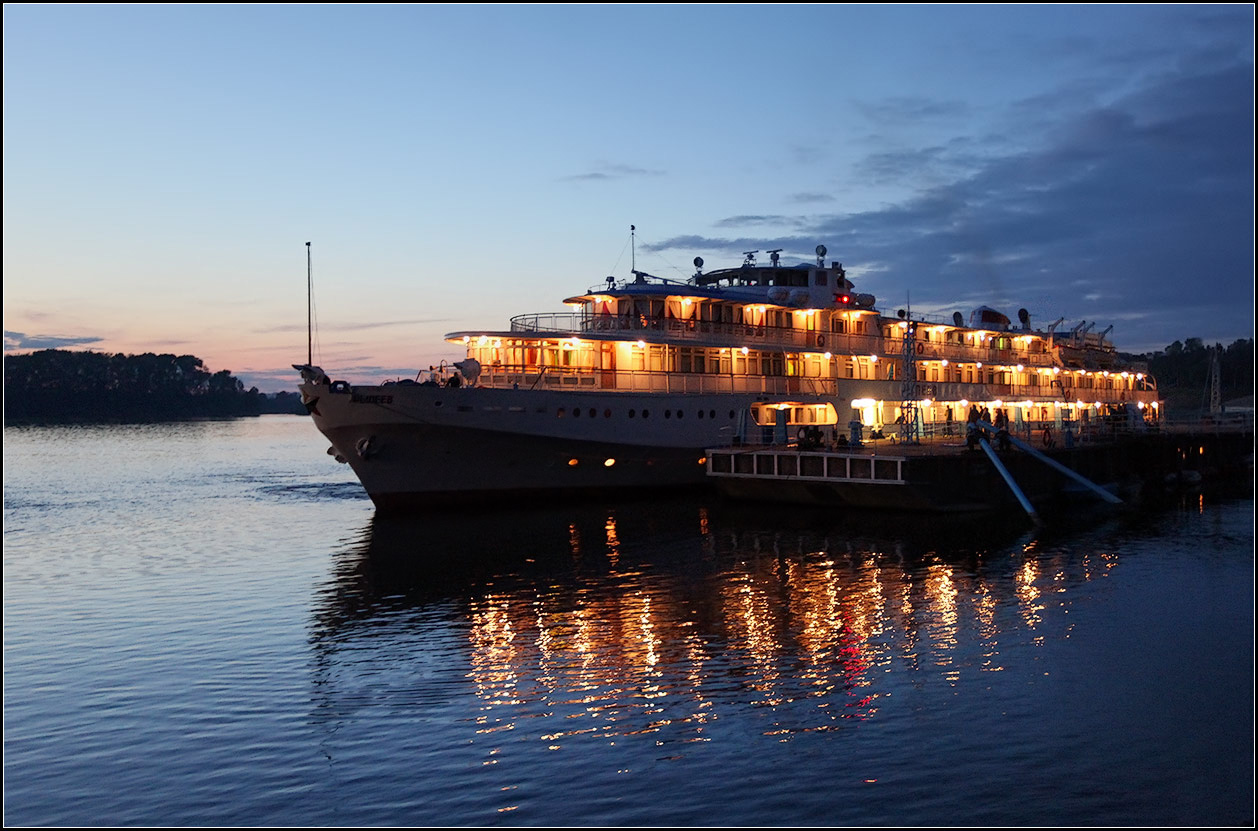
{"x":749,"y":257}
{"x":773,"y":255}
{"x":821,"y":256}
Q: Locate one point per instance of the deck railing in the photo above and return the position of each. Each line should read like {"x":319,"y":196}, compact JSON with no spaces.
{"x":735,"y":335}
{"x":887,"y":389}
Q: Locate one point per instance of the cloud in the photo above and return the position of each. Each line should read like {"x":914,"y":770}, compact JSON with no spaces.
{"x":755,"y":219}
{"x":1146,"y":200}
{"x":352,"y":327}
{"x":897,"y":111}
{"x":810,"y":198}
{"x":606,"y":171}
{"x":20,"y":340}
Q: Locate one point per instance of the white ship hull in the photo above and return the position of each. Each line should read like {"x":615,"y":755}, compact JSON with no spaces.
{"x":629,"y":388}
{"x":413,"y":445}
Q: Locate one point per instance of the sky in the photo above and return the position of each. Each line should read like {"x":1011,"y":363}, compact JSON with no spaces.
{"x":454,"y":166}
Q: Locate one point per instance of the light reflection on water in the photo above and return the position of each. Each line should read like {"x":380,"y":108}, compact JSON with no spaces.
{"x":205,"y":625}
{"x":587,"y":626}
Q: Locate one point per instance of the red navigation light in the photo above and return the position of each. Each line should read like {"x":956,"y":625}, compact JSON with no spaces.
{"x":843,"y":299}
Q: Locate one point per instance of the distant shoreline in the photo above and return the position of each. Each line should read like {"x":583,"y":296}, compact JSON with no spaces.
{"x":52,"y":387}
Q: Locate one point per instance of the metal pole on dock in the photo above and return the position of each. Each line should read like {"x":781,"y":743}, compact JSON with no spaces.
{"x":1013,"y":486}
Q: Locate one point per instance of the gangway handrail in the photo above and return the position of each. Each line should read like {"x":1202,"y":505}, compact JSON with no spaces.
{"x":1009,"y":480}
{"x":1056,"y":465}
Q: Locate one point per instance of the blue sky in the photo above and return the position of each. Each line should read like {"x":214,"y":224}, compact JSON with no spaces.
{"x":453,"y":166}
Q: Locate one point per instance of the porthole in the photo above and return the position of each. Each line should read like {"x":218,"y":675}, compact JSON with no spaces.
{"x":632,"y":413}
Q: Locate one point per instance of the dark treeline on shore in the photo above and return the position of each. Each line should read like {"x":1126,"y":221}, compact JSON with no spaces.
{"x":1182,"y":372}
{"x":55,"y":386}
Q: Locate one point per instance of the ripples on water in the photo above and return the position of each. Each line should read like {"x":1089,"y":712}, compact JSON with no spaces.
{"x":205,"y":624}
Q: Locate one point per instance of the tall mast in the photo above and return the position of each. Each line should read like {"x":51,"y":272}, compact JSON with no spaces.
{"x":1216,"y":400}
{"x":309,"y":311}
{"x":908,"y":381}
{"x":633,"y":250}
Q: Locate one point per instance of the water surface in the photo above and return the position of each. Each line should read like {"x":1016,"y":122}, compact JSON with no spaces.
{"x":206,"y":624}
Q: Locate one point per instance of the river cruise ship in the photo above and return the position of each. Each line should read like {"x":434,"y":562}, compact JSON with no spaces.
{"x":630,"y":385}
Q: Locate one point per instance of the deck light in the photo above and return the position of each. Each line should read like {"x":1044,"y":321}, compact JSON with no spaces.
{"x":608,"y":462}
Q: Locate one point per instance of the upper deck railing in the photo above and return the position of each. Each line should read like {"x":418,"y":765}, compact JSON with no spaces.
{"x":737,"y":335}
